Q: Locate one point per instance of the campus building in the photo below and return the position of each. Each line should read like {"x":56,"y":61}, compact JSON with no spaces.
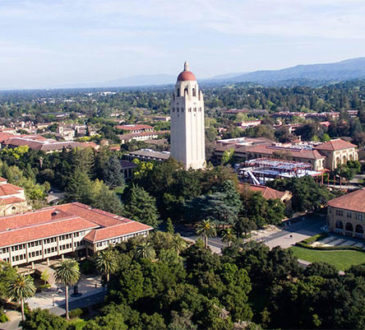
{"x":53,"y":232}
{"x":187,"y":121}
{"x":337,"y":152}
{"x":320,"y":156}
{"x":346,"y":214}
{"x":12,"y":199}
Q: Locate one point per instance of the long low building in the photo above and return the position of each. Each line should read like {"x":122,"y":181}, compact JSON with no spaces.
{"x":55,"y":231}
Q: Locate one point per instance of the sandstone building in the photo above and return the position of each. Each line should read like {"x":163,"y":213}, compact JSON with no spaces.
{"x":346,"y":214}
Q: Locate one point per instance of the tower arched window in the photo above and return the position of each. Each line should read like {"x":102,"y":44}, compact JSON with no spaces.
{"x":178,"y":92}
{"x":186,"y":91}
{"x":194,"y":92}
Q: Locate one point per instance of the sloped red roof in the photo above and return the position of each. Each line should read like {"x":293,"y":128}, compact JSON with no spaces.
{"x":66,"y":218}
{"x":9,"y":189}
{"x":44,"y":230}
{"x":267,"y":192}
{"x":11,"y":200}
{"x":354,"y":201}
{"x":337,"y":144}
{"x":299,"y":153}
{"x":116,"y":231}
{"x":133,"y":127}
{"x":5,"y":136}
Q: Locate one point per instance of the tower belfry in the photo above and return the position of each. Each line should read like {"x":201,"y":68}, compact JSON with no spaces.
{"x":187,"y":121}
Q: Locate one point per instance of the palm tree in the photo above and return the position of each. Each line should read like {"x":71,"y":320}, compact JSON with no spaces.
{"x":68,"y":273}
{"x":106,"y":263}
{"x":228,"y":236}
{"x":206,"y":229}
{"x":20,"y":288}
{"x":145,"y":250}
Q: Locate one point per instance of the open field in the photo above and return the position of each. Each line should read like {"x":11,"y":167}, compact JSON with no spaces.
{"x":342,"y":259}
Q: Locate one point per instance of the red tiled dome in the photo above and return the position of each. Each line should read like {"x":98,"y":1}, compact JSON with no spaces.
{"x":186,"y":75}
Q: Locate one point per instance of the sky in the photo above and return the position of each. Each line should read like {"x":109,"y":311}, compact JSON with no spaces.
{"x":59,"y":43}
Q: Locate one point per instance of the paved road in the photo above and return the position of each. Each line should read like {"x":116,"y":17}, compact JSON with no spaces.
{"x":79,"y":303}
{"x":299,"y":229}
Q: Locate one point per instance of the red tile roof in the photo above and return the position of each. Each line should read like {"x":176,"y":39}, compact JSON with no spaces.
{"x":294,"y":152}
{"x":66,"y":218}
{"x":11,"y":200}
{"x":116,"y":231}
{"x":336,"y":144}
{"x":9,"y":189}
{"x":354,"y":201}
{"x":44,"y":230}
{"x":5,"y":136}
{"x":267,"y":192}
{"x":133,"y":127}
{"x":44,"y":145}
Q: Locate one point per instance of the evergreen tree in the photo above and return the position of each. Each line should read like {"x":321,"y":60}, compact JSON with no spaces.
{"x":142,"y":207}
{"x":112,"y":172}
{"x":79,"y":188}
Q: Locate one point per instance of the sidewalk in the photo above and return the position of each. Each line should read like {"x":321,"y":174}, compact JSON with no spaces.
{"x":88,"y":286}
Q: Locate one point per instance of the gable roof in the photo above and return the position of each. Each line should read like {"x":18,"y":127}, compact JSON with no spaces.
{"x":266,"y":192}
{"x":354,"y":201}
{"x":337,"y":144}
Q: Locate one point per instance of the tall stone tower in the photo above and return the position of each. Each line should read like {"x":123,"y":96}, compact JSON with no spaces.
{"x":187,"y":121}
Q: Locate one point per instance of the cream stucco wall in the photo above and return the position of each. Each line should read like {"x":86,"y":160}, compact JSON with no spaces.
{"x":187,"y":125}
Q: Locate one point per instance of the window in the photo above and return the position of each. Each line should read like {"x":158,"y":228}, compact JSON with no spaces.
{"x":339,"y":213}
{"x":358,"y":216}
{"x":349,"y":214}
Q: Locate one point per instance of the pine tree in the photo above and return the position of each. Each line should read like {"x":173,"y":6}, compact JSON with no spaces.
{"x":169,"y":226}
{"x":141,"y":206}
{"x":113,"y":173}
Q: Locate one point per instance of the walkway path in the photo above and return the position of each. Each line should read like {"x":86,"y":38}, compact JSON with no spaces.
{"x":88,"y":286}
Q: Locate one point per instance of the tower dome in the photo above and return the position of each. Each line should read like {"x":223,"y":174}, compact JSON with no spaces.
{"x":186,"y":74}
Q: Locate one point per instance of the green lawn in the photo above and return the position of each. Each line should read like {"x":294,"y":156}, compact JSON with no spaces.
{"x":342,"y":260}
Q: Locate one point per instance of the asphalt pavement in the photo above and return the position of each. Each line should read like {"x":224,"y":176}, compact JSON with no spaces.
{"x":294,"y":230}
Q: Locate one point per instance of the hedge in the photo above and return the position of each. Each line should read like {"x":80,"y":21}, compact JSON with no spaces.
{"x":306,"y":243}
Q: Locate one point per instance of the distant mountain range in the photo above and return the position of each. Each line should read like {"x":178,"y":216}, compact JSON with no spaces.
{"x":312,"y":74}
{"x":331,"y":72}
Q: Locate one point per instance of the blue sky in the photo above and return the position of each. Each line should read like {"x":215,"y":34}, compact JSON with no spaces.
{"x":50,"y":43}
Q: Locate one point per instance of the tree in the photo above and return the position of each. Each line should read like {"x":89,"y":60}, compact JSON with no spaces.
{"x":79,"y":187}
{"x":244,"y":225}
{"x":68,"y":273}
{"x":42,"y":319}
{"x":20,"y":288}
{"x":228,"y":236}
{"x":145,"y":250}
{"x":227,"y":156}
{"x":169,"y":226}
{"x":206,"y":229}
{"x":141,"y":206}
{"x":106,"y":263}
{"x":113,"y":173}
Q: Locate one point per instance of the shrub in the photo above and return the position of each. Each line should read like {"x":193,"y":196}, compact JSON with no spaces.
{"x":3,"y":318}
{"x":77,"y":312}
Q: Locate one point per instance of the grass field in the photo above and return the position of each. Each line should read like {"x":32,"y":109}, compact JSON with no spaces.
{"x":342,"y":260}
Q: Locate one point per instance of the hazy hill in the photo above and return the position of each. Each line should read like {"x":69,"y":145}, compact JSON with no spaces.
{"x":330,"y":72}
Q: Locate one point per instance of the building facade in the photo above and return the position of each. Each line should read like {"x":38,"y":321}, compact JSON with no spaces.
{"x":53,"y":232}
{"x":187,"y":121}
{"x":337,"y":152}
{"x":12,"y":199}
{"x":346,"y":214}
